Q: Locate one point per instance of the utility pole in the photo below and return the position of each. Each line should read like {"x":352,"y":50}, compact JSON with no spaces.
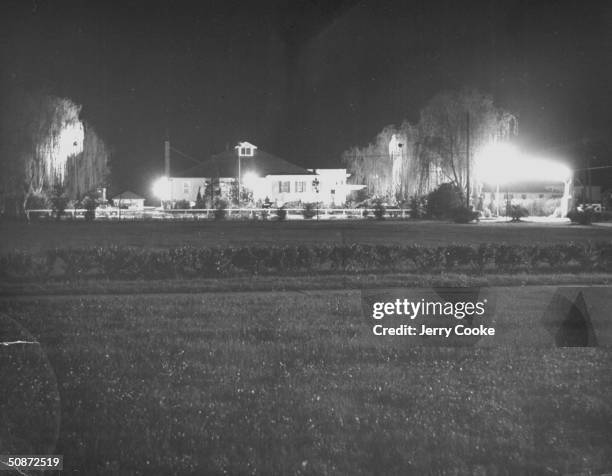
{"x":467,"y":155}
{"x":239,"y":172}
{"x":167,"y":158}
{"x":590,"y":182}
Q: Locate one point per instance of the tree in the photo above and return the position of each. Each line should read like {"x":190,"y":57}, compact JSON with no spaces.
{"x":233,"y":193}
{"x":413,"y":159}
{"x":442,"y":202}
{"x":58,"y":199}
{"x":443,"y":132}
{"x":90,"y":204}
{"x":200,"y":202}
{"x":371,"y":165}
{"x":44,"y":143}
{"x":212,"y":191}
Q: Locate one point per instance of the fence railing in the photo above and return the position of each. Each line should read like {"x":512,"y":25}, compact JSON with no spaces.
{"x":193,"y":214}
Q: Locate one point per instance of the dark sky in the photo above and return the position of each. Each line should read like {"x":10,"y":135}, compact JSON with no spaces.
{"x":307,"y":79}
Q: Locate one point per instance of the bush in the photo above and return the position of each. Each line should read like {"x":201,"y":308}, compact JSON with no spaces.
{"x":59,"y":200}
{"x":187,"y":262}
{"x":90,"y":206}
{"x":220,"y":212}
{"x":181,"y":205}
{"x":464,"y":215}
{"x":309,"y":210}
{"x":418,"y":207}
{"x":517,"y":212}
{"x":379,"y":210}
{"x":442,"y":202}
{"x":200,"y":202}
{"x":281,"y":213}
{"x":581,"y":217}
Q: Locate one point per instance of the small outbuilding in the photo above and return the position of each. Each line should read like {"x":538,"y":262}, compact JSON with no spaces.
{"x":128,"y":200}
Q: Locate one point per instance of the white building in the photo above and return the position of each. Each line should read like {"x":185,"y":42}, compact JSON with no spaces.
{"x":128,"y":200}
{"x":262,"y":174}
{"x":538,"y":198}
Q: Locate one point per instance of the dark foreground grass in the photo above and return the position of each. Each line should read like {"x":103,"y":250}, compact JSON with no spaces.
{"x":296,"y":283}
{"x":288,"y":383}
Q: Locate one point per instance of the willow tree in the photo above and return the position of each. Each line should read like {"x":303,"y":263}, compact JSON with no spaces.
{"x":413,"y":159}
{"x":89,"y":169}
{"x":371,"y":165}
{"x":43,"y":136}
{"x":449,"y":121}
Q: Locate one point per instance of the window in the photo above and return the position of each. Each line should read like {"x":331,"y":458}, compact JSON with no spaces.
{"x":541,"y":195}
{"x":283,"y":187}
{"x":300,"y":187}
{"x":524,"y":196}
{"x":246,"y":151}
{"x":186,"y":188}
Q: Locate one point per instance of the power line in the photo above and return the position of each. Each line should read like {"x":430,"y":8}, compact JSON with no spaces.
{"x":185,"y":155}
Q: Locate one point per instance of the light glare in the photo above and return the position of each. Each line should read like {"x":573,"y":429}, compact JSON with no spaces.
{"x":504,"y":163}
{"x":250,"y":180}
{"x":161,"y":188}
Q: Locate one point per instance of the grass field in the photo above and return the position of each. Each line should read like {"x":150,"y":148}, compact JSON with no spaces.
{"x":199,"y":377}
{"x":46,"y":235}
{"x":290,"y":383}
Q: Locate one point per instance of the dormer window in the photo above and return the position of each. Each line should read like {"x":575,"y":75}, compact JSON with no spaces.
{"x":246,"y":149}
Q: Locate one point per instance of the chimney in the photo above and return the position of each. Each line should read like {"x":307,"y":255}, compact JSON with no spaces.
{"x":167,"y":158}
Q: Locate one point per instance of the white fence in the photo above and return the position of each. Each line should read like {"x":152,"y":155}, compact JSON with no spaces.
{"x":209,"y":214}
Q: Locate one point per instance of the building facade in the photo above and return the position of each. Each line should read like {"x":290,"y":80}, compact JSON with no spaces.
{"x":261,"y":176}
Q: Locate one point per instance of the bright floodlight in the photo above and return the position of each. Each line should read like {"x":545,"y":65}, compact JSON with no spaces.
{"x":250,"y":180}
{"x":503,"y":163}
{"x":161,"y":188}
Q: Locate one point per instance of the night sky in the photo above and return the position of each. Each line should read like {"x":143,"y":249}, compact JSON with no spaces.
{"x":308,"y":79}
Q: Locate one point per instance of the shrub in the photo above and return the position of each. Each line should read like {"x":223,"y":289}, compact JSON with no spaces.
{"x":309,"y":210}
{"x":379,"y":210}
{"x":59,"y":200}
{"x":464,"y":215}
{"x":281,"y":213}
{"x":200,"y":201}
{"x":444,"y":200}
{"x":90,"y":206}
{"x":418,"y":207}
{"x":220,"y":210}
{"x":181,"y":205}
{"x":582,"y":217}
{"x":517,"y":212}
{"x":112,"y":262}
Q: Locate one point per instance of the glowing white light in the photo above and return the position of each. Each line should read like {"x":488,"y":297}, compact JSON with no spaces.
{"x":161,"y":188}
{"x":504,"y":163}
{"x":250,"y":180}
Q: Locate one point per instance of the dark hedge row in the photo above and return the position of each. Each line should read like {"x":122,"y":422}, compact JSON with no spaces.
{"x":188,"y":262}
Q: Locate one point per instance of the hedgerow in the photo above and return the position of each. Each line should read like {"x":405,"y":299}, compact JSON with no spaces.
{"x":114,"y":262}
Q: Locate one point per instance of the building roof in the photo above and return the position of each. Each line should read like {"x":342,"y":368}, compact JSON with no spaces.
{"x":127,"y":195}
{"x":245,"y":144}
{"x":262,"y":163}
